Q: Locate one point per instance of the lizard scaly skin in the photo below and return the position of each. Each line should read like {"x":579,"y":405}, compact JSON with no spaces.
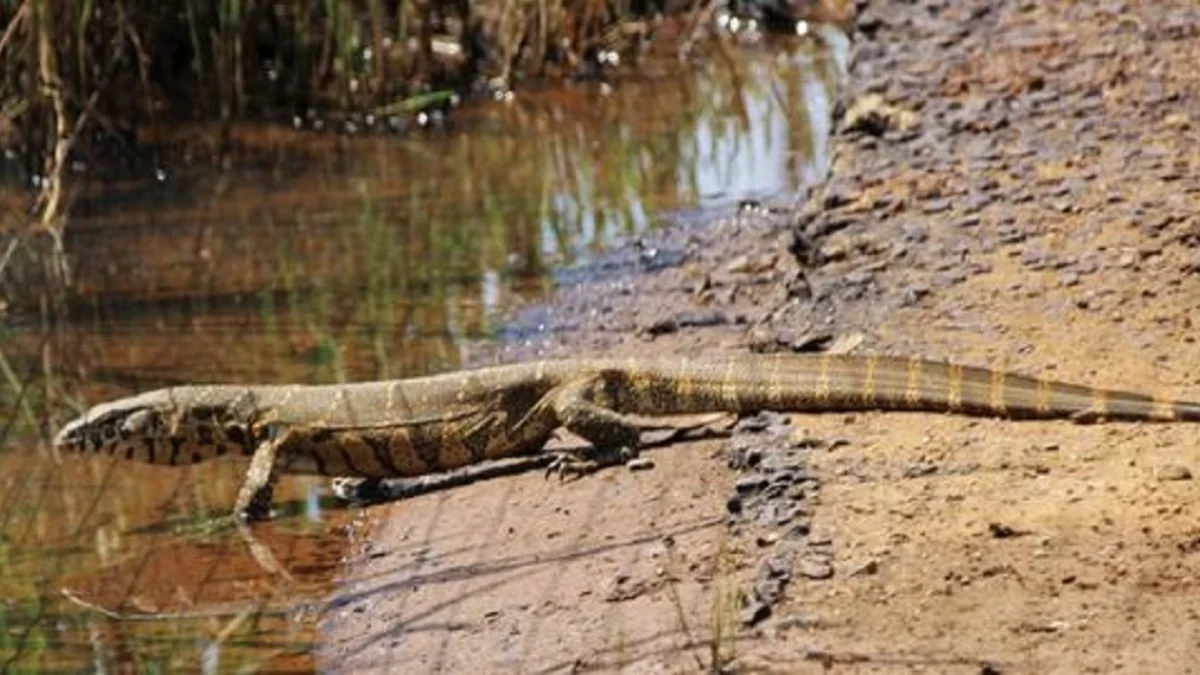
{"x":411,"y":427}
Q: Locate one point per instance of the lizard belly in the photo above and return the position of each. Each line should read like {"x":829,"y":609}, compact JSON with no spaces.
{"x":389,"y":452}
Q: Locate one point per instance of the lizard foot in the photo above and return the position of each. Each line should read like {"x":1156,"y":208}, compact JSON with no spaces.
{"x":571,"y":464}
{"x":256,"y":511}
{"x":580,"y":463}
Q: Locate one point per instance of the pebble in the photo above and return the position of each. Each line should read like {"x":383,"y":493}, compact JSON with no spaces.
{"x":814,"y":569}
{"x":750,"y":483}
{"x":1174,"y":472}
{"x":868,"y":568}
{"x":640,"y":464}
{"x":1001,"y":531}
{"x":756,"y":612}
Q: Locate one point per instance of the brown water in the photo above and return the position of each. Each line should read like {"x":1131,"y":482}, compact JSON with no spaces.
{"x":305,"y":257}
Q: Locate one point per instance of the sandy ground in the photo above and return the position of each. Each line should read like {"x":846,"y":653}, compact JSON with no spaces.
{"x":1027,"y":197}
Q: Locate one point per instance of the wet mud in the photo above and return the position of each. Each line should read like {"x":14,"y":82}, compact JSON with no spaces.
{"x":1013,"y":184}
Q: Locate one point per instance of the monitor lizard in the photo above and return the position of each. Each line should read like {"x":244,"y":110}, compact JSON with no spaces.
{"x":411,"y":427}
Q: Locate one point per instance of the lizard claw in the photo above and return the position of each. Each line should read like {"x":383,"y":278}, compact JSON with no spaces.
{"x":577,"y":464}
{"x":571,"y":464}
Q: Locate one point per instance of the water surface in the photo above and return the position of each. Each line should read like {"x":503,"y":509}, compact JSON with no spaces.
{"x":297,"y":256}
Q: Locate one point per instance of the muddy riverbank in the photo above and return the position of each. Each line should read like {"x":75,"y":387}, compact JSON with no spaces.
{"x":309,"y":256}
{"x":1022,"y":194}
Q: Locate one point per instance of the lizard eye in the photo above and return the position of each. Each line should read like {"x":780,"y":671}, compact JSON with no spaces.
{"x":137,"y":422}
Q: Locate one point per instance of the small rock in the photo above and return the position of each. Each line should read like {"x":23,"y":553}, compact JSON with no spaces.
{"x":750,"y":483}
{"x":1172,"y":472}
{"x":1177,"y":122}
{"x":871,"y":115}
{"x":1009,"y":234}
{"x":787,"y":514}
{"x":846,"y":343}
{"x":1033,"y":258}
{"x":799,"y":530}
{"x":918,"y":469}
{"x":778,"y":566}
{"x":1149,"y":250}
{"x":936,"y":206}
{"x":745,"y":458}
{"x":739,"y":264}
{"x":1088,"y":263}
{"x":798,"y":621}
{"x":755,"y":423}
{"x":664,"y":326}
{"x":769,"y":589}
{"x":868,"y":568}
{"x":743,"y":264}
{"x":623,"y":588}
{"x":640,"y":464}
{"x":913,"y":294}
{"x":756,"y":612}
{"x":1001,"y":531}
{"x":814,"y":569}
{"x":834,"y":199}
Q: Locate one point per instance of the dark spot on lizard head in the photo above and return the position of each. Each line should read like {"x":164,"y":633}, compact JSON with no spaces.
{"x":129,"y":451}
{"x":222,"y":449}
{"x":197,"y":457}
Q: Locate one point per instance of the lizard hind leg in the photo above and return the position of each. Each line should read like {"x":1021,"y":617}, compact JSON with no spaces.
{"x":614,"y":438}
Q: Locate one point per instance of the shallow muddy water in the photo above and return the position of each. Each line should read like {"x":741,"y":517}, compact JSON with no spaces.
{"x":317,"y":257}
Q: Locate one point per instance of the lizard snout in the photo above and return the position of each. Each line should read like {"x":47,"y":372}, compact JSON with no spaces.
{"x":71,"y":436}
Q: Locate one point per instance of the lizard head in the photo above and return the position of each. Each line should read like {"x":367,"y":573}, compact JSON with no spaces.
{"x":165,"y":426}
{"x":127,"y":427}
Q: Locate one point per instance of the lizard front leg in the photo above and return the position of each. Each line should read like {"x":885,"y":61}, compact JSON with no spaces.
{"x":254,"y":497}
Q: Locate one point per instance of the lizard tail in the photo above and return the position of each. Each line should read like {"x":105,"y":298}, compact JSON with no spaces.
{"x":1133,"y":407}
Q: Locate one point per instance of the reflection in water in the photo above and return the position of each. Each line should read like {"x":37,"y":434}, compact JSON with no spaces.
{"x":318,"y":258}
{"x":779,"y":140}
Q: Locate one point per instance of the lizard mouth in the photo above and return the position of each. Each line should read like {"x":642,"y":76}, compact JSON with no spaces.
{"x":71,"y":436}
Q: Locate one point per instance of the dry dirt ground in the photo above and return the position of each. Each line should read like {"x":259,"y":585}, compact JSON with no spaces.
{"x":1026,"y":198}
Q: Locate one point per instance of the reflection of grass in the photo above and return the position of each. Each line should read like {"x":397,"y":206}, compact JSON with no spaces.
{"x":59,"y":631}
{"x":78,"y":73}
{"x":19,"y":397}
{"x":388,"y":286}
{"x":378,"y":275}
{"x":23,"y":624}
{"x":41,"y":552}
